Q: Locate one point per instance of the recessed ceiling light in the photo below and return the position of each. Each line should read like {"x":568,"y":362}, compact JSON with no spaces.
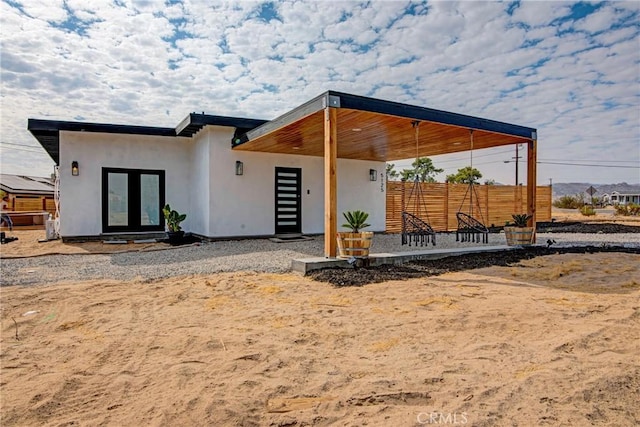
{"x":457,"y":143}
{"x":296,"y":148}
{"x":356,"y":129}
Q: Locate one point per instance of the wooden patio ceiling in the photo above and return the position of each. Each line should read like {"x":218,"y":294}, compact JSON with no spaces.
{"x":369,"y":129}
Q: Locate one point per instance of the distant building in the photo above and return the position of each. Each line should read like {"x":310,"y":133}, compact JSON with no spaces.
{"x":616,"y":198}
{"x":28,"y":193}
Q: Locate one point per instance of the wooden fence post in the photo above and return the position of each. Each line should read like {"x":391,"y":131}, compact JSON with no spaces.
{"x":446,"y":206}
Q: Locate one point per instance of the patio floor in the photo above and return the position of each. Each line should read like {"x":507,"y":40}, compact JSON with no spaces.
{"x":305,"y":265}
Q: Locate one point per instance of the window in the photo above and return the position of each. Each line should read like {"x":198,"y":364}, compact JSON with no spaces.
{"x":132,"y":200}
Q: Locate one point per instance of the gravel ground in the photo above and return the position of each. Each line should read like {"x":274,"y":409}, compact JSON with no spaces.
{"x":246,"y":255}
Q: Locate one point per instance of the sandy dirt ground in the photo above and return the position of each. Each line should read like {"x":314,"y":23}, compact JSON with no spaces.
{"x":602,"y":215}
{"x":553,"y":341}
{"x":29,"y":244}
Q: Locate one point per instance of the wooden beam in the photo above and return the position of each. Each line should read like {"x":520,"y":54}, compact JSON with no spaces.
{"x":532,"y":178}
{"x":330,"y":181}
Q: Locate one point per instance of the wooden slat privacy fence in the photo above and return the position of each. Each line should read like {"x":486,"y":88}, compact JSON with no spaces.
{"x":494,"y":204}
{"x":23,"y":203}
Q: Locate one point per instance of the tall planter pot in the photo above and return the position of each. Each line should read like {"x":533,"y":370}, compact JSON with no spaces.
{"x":175,"y":237}
{"x":519,"y":236}
{"x":354,"y":244}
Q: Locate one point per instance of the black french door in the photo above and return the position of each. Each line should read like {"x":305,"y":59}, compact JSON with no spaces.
{"x":132,"y":200}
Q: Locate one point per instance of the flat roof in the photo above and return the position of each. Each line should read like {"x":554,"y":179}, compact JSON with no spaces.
{"x":375,"y":129}
{"x":47,"y":132}
{"x":367,"y":129}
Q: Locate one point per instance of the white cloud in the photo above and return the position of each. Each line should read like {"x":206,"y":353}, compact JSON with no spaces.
{"x":598,"y":22}
{"x":536,"y":14}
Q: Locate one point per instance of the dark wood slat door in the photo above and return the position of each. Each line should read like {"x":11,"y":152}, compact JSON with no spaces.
{"x":288,"y":200}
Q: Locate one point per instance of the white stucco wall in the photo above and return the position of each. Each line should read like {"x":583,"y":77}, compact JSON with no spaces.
{"x":81,"y":196}
{"x":245,"y":205}
{"x":199,"y":210}
{"x":357,"y":192}
{"x":201,"y":182}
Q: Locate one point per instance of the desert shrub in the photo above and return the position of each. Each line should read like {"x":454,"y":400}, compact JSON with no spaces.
{"x":570,"y":202}
{"x":587,"y":210}
{"x":631,"y":209}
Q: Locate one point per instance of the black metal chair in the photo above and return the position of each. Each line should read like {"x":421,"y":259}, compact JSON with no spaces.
{"x":416,"y":230}
{"x":470,"y":229}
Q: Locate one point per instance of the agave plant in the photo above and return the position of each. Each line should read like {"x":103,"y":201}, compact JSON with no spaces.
{"x":356,"y":220}
{"x":520,"y":220}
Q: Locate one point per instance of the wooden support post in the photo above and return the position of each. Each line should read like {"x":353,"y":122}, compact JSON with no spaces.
{"x":330,"y":181}
{"x":532,"y":177}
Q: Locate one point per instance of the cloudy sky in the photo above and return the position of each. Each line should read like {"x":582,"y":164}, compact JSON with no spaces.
{"x":571,"y":70}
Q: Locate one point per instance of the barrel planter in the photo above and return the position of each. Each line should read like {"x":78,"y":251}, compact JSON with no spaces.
{"x":354,"y":244}
{"x":519,"y":236}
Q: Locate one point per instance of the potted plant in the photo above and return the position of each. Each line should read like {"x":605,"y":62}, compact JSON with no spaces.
{"x":173,"y":218}
{"x":518,"y":233}
{"x":354,"y":243}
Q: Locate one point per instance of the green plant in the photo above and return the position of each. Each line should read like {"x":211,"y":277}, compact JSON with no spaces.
{"x":570,"y":202}
{"x":423,"y":170}
{"x":356,"y":220}
{"x":632,"y":209}
{"x":520,"y":220}
{"x":173,"y":218}
{"x":464,"y":175}
{"x":587,"y":210}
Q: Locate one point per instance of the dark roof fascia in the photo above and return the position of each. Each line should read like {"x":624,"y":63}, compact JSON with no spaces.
{"x":47,"y":132}
{"x":194,"y":122}
{"x":40,"y":125}
{"x":373,"y":105}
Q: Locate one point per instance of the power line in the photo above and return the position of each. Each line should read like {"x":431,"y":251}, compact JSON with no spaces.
{"x":557,"y":163}
{"x":540,"y":160}
{"x":590,"y":165}
{"x":585,"y":160}
{"x":19,"y":145}
{"x":23,"y":149}
{"x":475,"y":156}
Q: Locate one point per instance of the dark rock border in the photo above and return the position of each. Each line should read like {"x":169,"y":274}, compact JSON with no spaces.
{"x":426,"y":268}
{"x":585,"y":227}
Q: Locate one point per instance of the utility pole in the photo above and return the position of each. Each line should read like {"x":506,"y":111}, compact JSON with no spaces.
{"x":516,"y":159}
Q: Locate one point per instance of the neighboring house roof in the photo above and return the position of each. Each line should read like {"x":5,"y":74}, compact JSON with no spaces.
{"x":21,"y":184}
{"x":47,"y":132}
{"x":367,"y":128}
{"x":616,"y":193}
